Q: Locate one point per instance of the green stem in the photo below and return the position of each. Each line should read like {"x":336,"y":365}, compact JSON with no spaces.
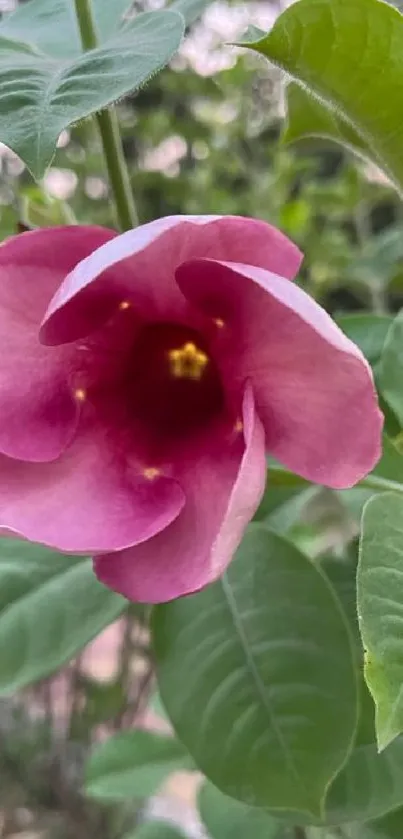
{"x":109,"y":130}
{"x":378,"y":483}
{"x":281,"y":477}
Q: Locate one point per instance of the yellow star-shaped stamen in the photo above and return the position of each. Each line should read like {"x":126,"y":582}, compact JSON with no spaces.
{"x":187,"y":362}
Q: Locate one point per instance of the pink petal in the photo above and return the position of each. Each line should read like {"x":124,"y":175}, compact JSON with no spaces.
{"x":92,"y":499}
{"x":39,"y":414}
{"x":139,"y":266}
{"x":223,"y":488}
{"x":313,"y":388}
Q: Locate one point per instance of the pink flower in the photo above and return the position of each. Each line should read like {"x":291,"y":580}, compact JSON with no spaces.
{"x":143,"y":379}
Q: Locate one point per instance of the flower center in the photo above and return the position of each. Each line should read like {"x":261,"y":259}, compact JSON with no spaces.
{"x":187,"y":362}
{"x":174,"y":385}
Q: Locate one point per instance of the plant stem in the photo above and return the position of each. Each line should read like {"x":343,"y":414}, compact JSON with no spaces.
{"x":109,"y":130}
{"x":282,"y":477}
{"x":118,"y":175}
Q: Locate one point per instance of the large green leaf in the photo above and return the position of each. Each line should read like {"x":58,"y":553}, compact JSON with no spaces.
{"x":390,"y":375}
{"x":133,"y":764}
{"x":50,"y":25}
{"x":226,"y":818}
{"x":370,"y":784}
{"x":50,"y":607}
{"x":41,"y":95}
{"x":380,"y":609}
{"x":257,"y":676}
{"x":349,"y":53}
{"x":308,"y":117}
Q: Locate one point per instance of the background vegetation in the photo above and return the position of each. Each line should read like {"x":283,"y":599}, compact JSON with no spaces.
{"x":203,"y":137}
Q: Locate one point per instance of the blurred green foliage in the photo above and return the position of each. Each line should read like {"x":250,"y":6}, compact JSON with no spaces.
{"x":212,"y":144}
{"x":201,"y":144}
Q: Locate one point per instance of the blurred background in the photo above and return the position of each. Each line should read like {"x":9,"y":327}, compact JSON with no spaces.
{"x":203,"y":137}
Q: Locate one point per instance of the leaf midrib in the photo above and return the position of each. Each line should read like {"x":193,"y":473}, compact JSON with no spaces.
{"x":244,"y":641}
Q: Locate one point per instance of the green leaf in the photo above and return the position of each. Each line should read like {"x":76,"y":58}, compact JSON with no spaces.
{"x":389,"y":827}
{"x":380,"y":607}
{"x":387,"y":475}
{"x":341,"y":574}
{"x":281,"y":478}
{"x":253,"y":33}
{"x":367,"y":331}
{"x":50,"y":25}
{"x":281,"y":507}
{"x":370,"y":785}
{"x":39,"y":210}
{"x":189,"y":9}
{"x":41,"y":95}
{"x":133,"y":764}
{"x":256,"y":674}
{"x":225,"y":818}
{"x":308,"y":117}
{"x":50,"y":607}
{"x":390,"y":374}
{"x":348,"y":53}
{"x":156,"y":830}
{"x":376,"y":264}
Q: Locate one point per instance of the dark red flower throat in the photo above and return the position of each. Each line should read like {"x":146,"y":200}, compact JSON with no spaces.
{"x":174,"y":384}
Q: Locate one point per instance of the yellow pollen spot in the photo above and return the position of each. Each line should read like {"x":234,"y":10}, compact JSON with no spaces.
{"x":151,"y":473}
{"x":80,"y":394}
{"x":125,"y":304}
{"x":238,"y":427}
{"x":219,"y":323}
{"x":187,"y":362}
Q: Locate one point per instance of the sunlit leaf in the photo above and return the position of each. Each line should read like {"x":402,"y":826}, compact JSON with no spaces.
{"x":380,"y":608}
{"x":308,"y":117}
{"x":336,"y":48}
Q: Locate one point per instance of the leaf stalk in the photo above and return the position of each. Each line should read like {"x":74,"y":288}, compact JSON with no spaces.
{"x":109,"y":130}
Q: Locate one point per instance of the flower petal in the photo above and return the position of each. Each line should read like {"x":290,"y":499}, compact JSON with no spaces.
{"x":139,"y":266}
{"x":314,"y":390}
{"x":39,"y":414}
{"x":223,"y":488}
{"x":92,"y":499}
